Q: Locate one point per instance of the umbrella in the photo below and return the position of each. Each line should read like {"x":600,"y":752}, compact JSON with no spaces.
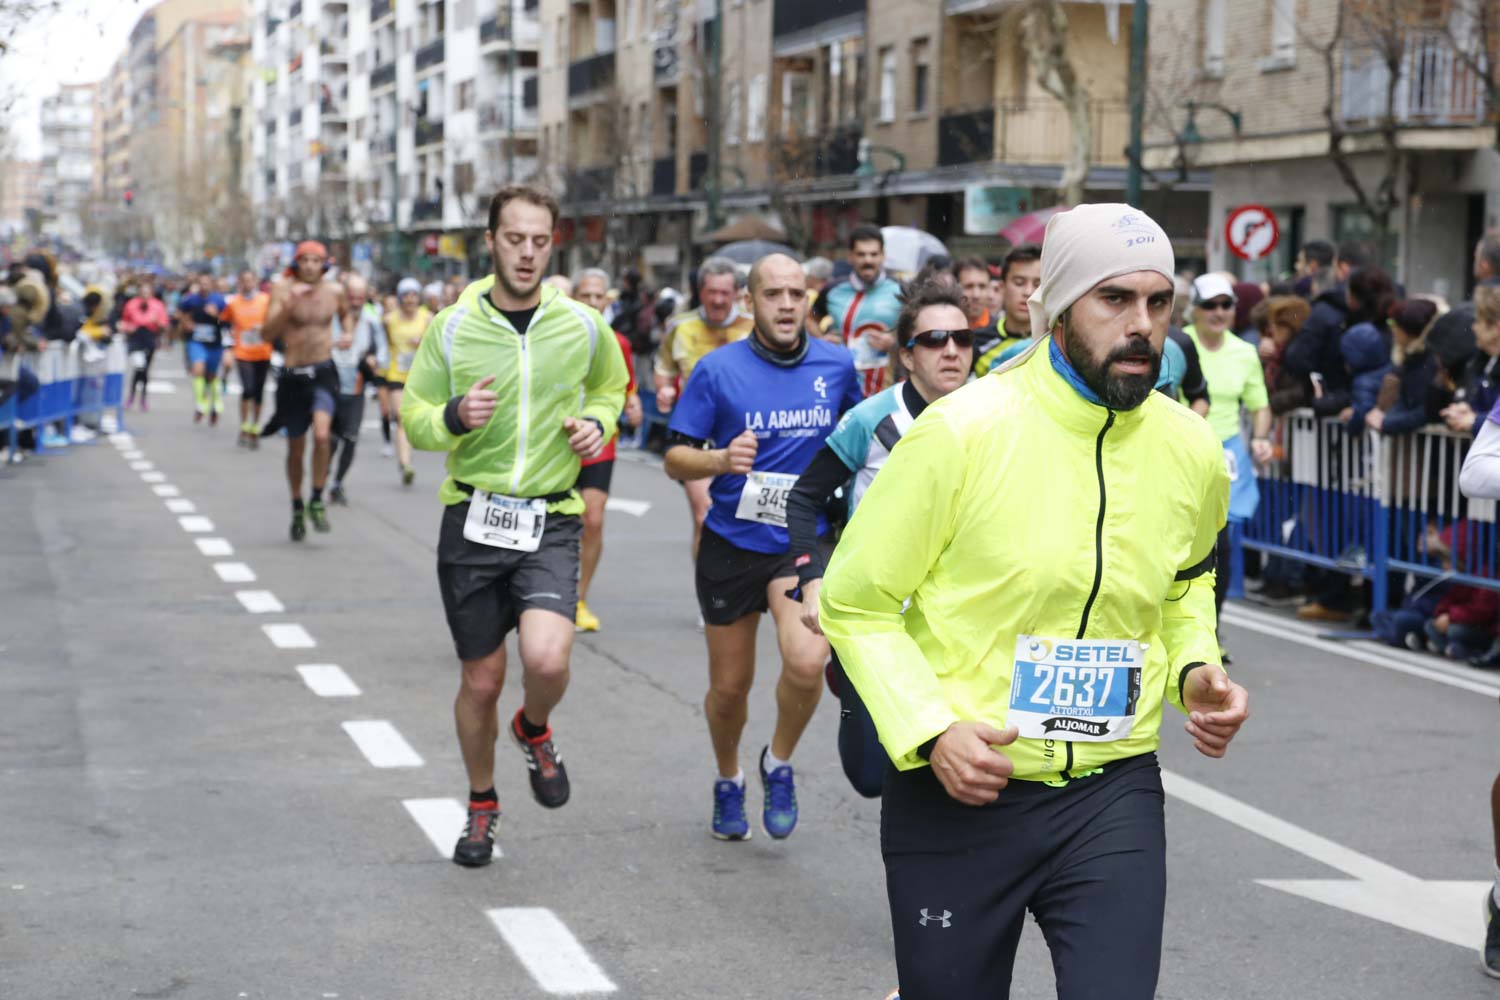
{"x":747,"y":228}
{"x":750,"y":251}
{"x":1031,"y":227}
{"x":907,"y":249}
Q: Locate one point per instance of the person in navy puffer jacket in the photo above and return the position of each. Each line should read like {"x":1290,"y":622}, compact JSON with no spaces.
{"x":1366,"y":344}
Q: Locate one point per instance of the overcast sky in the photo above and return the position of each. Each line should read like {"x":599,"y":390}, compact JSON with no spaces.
{"x":76,"y":45}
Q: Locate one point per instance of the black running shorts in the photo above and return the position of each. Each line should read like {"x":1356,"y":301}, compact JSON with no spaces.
{"x":253,"y":379}
{"x":485,"y":588}
{"x":1088,"y":860}
{"x":733,"y":582}
{"x":597,"y":476}
{"x":349,"y":415}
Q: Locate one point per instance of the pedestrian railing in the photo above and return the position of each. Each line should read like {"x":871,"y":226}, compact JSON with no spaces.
{"x":76,"y":383}
{"x":1370,"y":505}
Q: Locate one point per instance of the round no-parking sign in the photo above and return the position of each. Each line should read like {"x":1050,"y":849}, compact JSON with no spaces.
{"x":1252,"y":232}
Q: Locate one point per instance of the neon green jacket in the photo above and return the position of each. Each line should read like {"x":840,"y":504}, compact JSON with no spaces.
{"x":566,"y":365}
{"x":1013,"y":506}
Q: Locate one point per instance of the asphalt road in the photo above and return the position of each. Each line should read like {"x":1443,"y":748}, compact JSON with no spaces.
{"x":183,"y":815}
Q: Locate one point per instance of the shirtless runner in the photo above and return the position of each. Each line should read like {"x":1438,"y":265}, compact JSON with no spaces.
{"x":301,"y":316}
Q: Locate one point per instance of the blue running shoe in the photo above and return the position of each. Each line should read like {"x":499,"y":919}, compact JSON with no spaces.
{"x":729,"y":811}
{"x":780,"y":814}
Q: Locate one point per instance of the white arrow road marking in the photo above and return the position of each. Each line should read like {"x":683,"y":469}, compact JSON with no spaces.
{"x":635,"y":508}
{"x":381,"y":744}
{"x":182,"y":507}
{"x":214,"y":547}
{"x":234,"y":572}
{"x":195,"y":523}
{"x":327,"y":680}
{"x":167,"y":490}
{"x":442,"y":820}
{"x":1447,"y":911}
{"x":259,"y":602}
{"x":288,"y":636}
{"x":549,"y":951}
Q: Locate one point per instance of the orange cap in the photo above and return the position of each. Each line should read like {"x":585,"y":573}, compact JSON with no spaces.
{"x":310,"y":248}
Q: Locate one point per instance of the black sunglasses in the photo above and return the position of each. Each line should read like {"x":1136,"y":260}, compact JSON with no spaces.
{"x":937,"y":338}
{"x":1217,"y":304}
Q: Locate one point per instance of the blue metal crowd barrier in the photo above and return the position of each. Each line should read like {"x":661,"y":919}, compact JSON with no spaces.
{"x":1370,"y":505}
{"x":78,"y":381}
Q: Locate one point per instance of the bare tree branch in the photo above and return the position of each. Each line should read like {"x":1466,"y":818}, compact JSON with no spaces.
{"x":1045,"y":30}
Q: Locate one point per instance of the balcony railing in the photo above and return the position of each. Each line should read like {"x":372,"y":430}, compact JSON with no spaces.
{"x":966,"y":137}
{"x":1039,"y":131}
{"x":800,"y":15}
{"x":427,"y":210}
{"x":379,"y":9}
{"x":383,"y":75}
{"x":429,"y":132}
{"x":594,"y":73}
{"x":1435,"y":86}
{"x":496,"y":29}
{"x":664,"y":176}
{"x":591,"y":184}
{"x":430,"y":55}
{"x":830,"y":155}
{"x":492,"y":118}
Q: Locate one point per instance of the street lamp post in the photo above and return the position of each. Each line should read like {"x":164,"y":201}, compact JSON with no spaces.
{"x":1139,"y":17}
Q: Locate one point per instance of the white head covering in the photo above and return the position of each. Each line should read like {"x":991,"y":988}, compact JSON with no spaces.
{"x":408,"y":286}
{"x":1089,"y":244}
{"x":1210,"y":286}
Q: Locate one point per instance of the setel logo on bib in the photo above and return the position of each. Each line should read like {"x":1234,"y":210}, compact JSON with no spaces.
{"x":1084,"y":690}
{"x":506,"y":522}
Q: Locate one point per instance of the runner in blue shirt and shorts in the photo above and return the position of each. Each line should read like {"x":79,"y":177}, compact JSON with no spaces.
{"x":752,"y":416}
{"x":201,"y":309}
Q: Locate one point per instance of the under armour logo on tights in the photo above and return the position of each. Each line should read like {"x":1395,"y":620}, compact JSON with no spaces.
{"x":926,"y":917}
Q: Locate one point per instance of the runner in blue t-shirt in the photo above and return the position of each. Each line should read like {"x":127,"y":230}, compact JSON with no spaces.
{"x":200,"y":309}
{"x":752,"y":416}
{"x":937,"y":347}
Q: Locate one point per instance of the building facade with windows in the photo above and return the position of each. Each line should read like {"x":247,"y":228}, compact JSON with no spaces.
{"x":1248,"y":96}
{"x":66,"y":179}
{"x":383,"y":126}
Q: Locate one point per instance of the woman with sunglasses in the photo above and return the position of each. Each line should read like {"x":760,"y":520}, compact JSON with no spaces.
{"x":1236,"y":380}
{"x":936,"y":348}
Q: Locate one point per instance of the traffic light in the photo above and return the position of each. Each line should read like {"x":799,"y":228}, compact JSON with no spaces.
{"x":129,"y":197}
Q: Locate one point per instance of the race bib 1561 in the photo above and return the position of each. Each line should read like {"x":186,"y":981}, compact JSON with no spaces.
{"x":506,"y":522}
{"x":1082,"y":690}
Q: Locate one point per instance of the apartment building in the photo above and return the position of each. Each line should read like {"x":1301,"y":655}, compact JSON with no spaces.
{"x":831,"y":112}
{"x":384,"y":125}
{"x":155,"y":130}
{"x":66,"y":180}
{"x":1245,"y":95}
{"x":19,"y":190}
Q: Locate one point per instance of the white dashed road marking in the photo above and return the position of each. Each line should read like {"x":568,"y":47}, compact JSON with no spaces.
{"x":195,"y":523}
{"x":442,"y":820}
{"x":288,"y":636}
{"x":182,"y":507}
{"x":131,"y":456}
{"x":635,"y":508}
{"x":153,"y":477}
{"x":259,"y":602}
{"x":381,"y":744}
{"x":234,"y":572}
{"x":549,"y":951}
{"x":328,"y":681}
{"x":166,"y":491}
{"x":143,"y":466}
{"x":215,"y":547}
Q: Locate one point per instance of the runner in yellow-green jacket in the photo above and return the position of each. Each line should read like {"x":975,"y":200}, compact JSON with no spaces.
{"x":1017,"y":675}
{"x":519,"y":384}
